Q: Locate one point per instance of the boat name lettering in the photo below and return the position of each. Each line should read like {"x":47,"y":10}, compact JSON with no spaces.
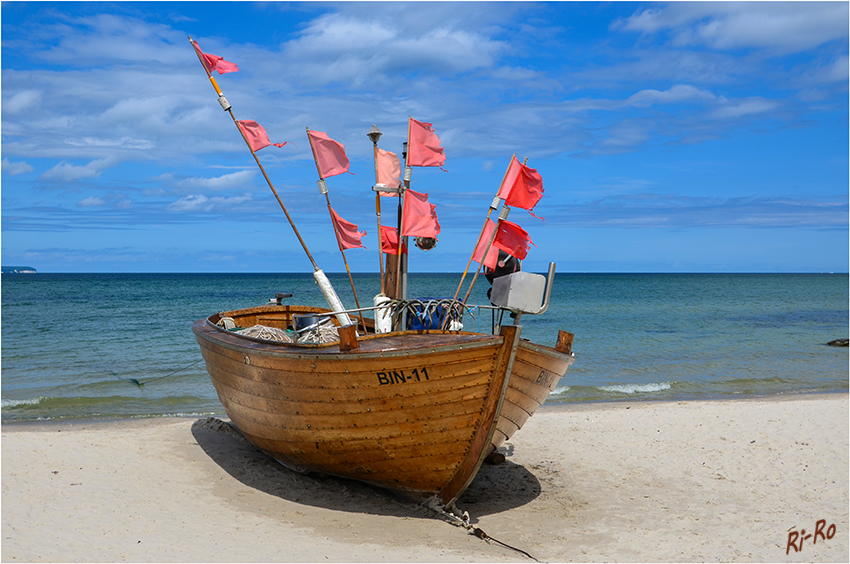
{"x":546,"y":378}
{"x":399,"y":377}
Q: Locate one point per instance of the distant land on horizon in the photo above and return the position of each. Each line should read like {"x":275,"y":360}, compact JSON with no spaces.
{"x":18,"y":270}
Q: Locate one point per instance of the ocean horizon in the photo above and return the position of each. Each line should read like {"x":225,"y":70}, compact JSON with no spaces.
{"x":119,"y":345}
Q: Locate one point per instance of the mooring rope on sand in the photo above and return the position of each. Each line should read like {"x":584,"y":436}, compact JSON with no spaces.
{"x":464,"y":522}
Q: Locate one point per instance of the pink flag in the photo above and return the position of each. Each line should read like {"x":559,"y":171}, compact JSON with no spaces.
{"x":493,"y":254}
{"x":349,"y":236}
{"x":256,"y":135}
{"x":522,"y":187}
{"x":419,"y":218}
{"x":214,"y":62}
{"x":330,"y":155}
{"x":389,"y":240}
{"x":389,"y":171}
{"x":512,"y":239}
{"x":424,"y":146}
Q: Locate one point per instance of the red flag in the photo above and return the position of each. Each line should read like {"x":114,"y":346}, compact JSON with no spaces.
{"x":419,"y":218}
{"x":349,"y":235}
{"x":493,"y":254}
{"x":389,"y":240}
{"x":214,"y":62}
{"x":256,"y":135}
{"x":389,"y":171}
{"x":329,"y":154}
{"x":424,"y":146}
{"x":512,"y":239}
{"x":522,"y":187}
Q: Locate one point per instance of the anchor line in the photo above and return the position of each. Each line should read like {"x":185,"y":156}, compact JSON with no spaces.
{"x":140,"y":384}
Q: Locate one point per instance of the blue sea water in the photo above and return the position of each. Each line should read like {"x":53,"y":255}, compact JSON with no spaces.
{"x":73,"y":344}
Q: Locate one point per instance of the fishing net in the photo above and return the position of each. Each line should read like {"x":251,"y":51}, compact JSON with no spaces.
{"x":266,"y":333}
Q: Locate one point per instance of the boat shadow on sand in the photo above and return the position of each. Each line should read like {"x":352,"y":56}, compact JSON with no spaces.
{"x":495,"y":489}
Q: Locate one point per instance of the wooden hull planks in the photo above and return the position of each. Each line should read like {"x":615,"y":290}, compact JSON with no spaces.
{"x":413,"y":411}
{"x":536,"y":372}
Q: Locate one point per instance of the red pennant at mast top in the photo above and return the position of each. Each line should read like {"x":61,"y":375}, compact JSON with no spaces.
{"x":256,"y":135}
{"x":522,"y":187}
{"x":424,"y":146}
{"x":214,"y":62}
{"x":389,"y":171}
{"x":330,"y":154}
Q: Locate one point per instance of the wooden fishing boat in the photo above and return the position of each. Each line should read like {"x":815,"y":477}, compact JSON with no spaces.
{"x":413,"y":408}
{"x":413,"y":411}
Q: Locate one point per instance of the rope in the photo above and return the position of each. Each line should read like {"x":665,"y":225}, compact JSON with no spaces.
{"x":321,"y":333}
{"x":142,"y":384}
{"x":463,"y":521}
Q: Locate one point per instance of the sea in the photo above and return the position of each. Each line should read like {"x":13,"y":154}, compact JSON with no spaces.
{"x":120,"y":346}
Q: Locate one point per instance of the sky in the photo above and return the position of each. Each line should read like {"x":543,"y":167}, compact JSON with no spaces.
{"x":670,"y":137}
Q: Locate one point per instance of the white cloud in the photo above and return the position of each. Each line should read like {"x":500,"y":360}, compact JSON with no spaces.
{"x":91,"y":202}
{"x":68,"y":172}
{"x":21,"y":101}
{"x":227,"y":181}
{"x":744,"y":107}
{"x":676,"y":93}
{"x":15,"y":168}
{"x":781,"y":27}
{"x":201,"y":203}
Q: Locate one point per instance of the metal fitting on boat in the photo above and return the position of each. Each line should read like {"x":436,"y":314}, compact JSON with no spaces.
{"x":323,"y":188}
{"x":225,"y":105}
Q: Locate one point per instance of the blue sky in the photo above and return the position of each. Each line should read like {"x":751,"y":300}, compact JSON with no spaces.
{"x":682,"y":137}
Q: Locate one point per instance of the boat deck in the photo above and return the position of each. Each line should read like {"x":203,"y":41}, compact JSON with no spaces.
{"x":397,"y":342}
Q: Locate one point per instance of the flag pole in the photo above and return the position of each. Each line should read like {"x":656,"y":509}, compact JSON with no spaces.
{"x":323,"y":188}
{"x":503,"y":215}
{"x":375,"y":134}
{"x":321,"y":279}
{"x":493,"y":206}
{"x":226,"y":106}
{"x":402,"y":196}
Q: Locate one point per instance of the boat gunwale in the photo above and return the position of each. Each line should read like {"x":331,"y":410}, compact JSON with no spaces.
{"x":331,"y":350}
{"x":547,"y":350}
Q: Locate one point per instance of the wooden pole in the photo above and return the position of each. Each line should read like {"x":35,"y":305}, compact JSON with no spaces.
{"x":224,"y":104}
{"x":378,"y":213}
{"x":324,"y":190}
{"x":493,"y":206}
{"x":401,"y":196}
{"x":502,"y":215}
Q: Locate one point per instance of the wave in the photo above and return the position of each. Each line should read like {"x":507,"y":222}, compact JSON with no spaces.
{"x":636,"y":388}
{"x":6,"y":403}
{"x":559,"y":391}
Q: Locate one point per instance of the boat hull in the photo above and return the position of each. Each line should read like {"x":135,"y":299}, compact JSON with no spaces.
{"x":414,"y":411}
{"x":537,"y":369}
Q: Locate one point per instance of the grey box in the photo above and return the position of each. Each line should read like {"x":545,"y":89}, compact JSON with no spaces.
{"x":520,"y":291}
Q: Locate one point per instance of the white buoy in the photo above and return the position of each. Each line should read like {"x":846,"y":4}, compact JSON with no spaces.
{"x":383,"y":319}
{"x":331,"y":297}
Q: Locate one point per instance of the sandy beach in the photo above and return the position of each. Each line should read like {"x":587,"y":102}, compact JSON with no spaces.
{"x":653,"y":481}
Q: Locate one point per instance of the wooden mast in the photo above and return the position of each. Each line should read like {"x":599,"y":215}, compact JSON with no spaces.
{"x":226,"y":106}
{"x":323,"y":188}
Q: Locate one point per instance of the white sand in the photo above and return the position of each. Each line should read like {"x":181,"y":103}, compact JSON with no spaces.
{"x":695,"y":481}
